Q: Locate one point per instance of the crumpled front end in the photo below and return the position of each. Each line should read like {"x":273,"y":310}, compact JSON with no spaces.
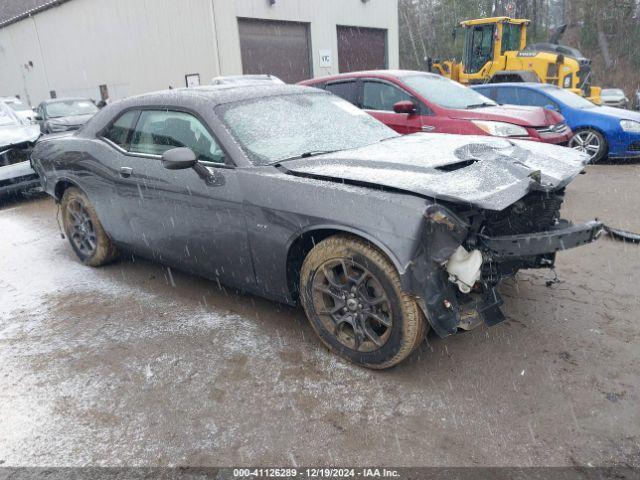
{"x":16,"y":174}
{"x":465,"y":254}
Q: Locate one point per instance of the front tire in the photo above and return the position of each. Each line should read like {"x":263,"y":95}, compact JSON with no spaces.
{"x":84,"y":230}
{"x":352,"y":296}
{"x":591,"y":142}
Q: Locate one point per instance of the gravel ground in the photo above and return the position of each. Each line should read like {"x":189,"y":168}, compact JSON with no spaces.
{"x":127,"y":365}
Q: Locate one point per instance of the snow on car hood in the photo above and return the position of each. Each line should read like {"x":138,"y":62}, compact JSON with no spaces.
{"x":71,"y":120}
{"x":486,"y":172}
{"x":17,"y":134}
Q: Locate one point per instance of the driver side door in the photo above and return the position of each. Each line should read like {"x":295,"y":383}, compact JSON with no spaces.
{"x":378,"y":99}
{"x":191,"y":218}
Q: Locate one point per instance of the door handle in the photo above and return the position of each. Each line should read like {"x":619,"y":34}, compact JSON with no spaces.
{"x":428,"y":128}
{"x":211,"y":177}
{"x":125,"y":172}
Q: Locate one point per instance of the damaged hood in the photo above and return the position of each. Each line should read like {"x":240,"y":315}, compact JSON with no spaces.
{"x":486,"y":172}
{"x":519,"y":115}
{"x":16,"y":134}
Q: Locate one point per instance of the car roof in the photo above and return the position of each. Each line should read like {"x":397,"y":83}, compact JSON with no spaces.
{"x":215,"y":94}
{"x":65,"y":99}
{"x":377,"y":73}
{"x":516,"y":84}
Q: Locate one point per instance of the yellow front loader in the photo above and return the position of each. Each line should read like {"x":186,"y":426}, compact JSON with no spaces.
{"x":495,"y":50}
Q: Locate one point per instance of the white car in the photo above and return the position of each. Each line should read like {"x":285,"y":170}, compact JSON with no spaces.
{"x":24,"y":112}
{"x":16,"y":141}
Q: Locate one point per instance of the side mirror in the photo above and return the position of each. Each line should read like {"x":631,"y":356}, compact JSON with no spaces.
{"x":553,"y":107}
{"x":405,"y":106}
{"x":38,"y":118}
{"x":179,"y":158}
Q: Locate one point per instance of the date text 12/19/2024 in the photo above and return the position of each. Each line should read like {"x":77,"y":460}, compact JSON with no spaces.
{"x":315,"y":473}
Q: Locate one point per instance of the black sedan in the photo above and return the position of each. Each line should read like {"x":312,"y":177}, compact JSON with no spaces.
{"x":295,"y":194}
{"x":64,"y":114}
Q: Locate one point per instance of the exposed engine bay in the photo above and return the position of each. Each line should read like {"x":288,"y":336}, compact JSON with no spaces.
{"x":475,"y":249}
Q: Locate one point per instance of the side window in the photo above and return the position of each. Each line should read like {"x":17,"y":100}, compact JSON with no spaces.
{"x":480,"y":47}
{"x":346,"y":90}
{"x":532,"y":98}
{"x":510,"y":37}
{"x":507,"y":95}
{"x":159,"y":131}
{"x":382,"y":96}
{"x":119,"y":131}
{"x":489,"y":92}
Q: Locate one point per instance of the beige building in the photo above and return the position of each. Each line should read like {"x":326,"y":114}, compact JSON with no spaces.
{"x":72,"y":47}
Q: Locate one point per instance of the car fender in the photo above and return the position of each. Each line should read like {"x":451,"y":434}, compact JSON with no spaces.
{"x":62,"y":183}
{"x":353,"y":231}
{"x":275,"y":222}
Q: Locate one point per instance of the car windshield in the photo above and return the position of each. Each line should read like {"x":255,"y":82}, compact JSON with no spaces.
{"x":569,"y":98}
{"x":277,"y":128}
{"x":7,"y":117}
{"x":446,"y":93}
{"x":66,"y":108}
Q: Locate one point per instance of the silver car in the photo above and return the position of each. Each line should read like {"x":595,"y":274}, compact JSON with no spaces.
{"x":23,"y":111}
{"x":614,"y":97}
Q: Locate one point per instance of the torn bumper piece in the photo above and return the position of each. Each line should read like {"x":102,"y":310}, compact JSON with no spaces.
{"x":530,"y":244}
{"x":622,"y":235}
{"x":449,"y":308}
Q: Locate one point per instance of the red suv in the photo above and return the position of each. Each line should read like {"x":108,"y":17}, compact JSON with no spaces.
{"x":410,"y":102}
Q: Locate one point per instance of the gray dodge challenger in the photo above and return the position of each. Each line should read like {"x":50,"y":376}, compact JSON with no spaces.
{"x":294,"y":194}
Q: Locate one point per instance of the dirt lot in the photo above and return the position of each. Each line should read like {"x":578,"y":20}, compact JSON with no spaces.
{"x":126,"y":365}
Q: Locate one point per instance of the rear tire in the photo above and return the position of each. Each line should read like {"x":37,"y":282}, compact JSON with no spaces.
{"x":84,"y":230}
{"x":591,"y":142}
{"x":352,"y":296}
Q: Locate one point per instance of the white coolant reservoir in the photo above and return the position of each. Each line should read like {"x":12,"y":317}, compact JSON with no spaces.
{"x":464,"y":268}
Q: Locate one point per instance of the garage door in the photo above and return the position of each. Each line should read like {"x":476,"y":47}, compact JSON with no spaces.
{"x":276,"y":48}
{"x":361,"y":49}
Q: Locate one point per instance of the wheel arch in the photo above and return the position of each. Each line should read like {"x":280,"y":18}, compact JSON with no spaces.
{"x":588,"y":126}
{"x":598,"y":129}
{"x":61,"y":185}
{"x":303,"y":241}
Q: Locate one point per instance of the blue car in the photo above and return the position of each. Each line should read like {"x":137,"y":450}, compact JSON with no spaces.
{"x":599,"y":131}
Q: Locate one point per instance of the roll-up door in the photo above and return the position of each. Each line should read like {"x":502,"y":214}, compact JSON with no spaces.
{"x":275,"y":48}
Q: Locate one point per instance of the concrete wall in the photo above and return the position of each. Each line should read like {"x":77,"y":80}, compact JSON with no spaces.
{"x":131,"y":45}
{"x":135,"y":46}
{"x":323,"y":15}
